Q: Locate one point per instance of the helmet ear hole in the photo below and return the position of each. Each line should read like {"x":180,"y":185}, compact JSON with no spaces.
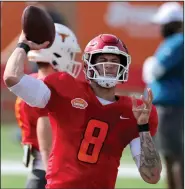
{"x":54,"y":63}
{"x":57,"y":55}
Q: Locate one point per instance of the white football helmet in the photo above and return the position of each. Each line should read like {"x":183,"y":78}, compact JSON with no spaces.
{"x":61,"y":55}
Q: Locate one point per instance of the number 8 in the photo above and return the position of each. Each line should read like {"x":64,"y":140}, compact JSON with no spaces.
{"x":92,"y":142}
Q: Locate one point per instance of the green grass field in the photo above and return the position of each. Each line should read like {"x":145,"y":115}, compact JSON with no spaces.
{"x":11,"y":151}
{"x":18,"y":181}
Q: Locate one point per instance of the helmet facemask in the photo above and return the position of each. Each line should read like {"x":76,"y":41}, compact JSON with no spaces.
{"x":107,"y":78}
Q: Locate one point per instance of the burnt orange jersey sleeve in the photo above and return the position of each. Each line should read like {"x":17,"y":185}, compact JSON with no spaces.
{"x":18,"y":112}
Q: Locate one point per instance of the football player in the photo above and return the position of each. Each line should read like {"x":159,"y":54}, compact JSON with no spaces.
{"x":36,"y":130}
{"x":91,"y":126}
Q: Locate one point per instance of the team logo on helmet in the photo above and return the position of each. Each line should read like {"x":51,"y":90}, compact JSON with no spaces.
{"x":63,"y":36}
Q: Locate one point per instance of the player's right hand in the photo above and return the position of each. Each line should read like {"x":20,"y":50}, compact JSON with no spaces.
{"x":31,"y":44}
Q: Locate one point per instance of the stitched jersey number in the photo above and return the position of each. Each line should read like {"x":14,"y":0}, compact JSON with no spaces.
{"x":92,"y":142}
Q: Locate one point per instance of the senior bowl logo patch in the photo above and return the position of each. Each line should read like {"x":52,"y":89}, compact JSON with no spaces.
{"x":79,"y":103}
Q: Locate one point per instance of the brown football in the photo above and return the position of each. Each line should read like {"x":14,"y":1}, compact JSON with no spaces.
{"x":37,"y":25}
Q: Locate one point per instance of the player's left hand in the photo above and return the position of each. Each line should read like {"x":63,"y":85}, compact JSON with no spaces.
{"x":142,"y":112}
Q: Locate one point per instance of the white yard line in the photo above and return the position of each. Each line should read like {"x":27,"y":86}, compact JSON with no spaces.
{"x":17,"y":168}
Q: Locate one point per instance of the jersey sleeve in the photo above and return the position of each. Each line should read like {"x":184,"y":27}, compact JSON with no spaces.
{"x":33,"y":91}
{"x":135,"y":148}
{"x":41,"y":112}
{"x":18,"y":115}
{"x":59,"y":84}
{"x":153,"y":121}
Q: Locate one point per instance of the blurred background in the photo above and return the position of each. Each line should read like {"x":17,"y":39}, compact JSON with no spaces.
{"x":130,"y":21}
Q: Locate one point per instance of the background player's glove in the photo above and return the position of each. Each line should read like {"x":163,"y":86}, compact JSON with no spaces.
{"x":142,"y":112}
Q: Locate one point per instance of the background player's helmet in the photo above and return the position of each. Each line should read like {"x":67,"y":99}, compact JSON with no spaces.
{"x":61,"y":55}
{"x":106,"y":43}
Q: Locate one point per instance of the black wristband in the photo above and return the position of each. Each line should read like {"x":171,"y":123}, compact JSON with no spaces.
{"x":24,"y":46}
{"x":143,"y":128}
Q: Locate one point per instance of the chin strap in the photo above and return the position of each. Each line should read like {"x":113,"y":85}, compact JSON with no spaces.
{"x":106,"y":83}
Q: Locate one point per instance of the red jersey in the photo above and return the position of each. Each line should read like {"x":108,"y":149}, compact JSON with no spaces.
{"x":88,"y":137}
{"x":27,"y":120}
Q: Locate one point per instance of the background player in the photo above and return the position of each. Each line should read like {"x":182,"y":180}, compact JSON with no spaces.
{"x":91,"y":126}
{"x":164,"y":74}
{"x":36,"y":130}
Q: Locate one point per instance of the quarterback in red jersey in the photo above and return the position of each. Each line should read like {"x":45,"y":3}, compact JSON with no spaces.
{"x":91,"y":125}
{"x":36,"y":130}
